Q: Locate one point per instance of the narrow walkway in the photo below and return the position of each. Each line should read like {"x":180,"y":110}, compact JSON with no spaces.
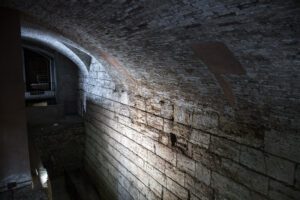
{"x":59,"y":190}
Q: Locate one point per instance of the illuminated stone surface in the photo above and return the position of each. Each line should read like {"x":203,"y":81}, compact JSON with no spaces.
{"x":145,"y":82}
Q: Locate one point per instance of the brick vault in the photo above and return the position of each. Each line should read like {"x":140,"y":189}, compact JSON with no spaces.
{"x":182,"y":99}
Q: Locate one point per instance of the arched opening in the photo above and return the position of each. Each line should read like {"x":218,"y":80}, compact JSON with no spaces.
{"x":39,"y":77}
{"x":187,"y":111}
{"x":55,"y":128}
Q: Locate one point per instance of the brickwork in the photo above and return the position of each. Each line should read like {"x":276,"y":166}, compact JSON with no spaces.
{"x":129,"y":148}
{"x":158,"y":124}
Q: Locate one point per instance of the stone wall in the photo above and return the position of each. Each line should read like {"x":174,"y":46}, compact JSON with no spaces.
{"x":158,"y":120}
{"x":158,"y":148}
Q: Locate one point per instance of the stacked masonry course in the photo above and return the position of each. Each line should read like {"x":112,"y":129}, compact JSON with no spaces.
{"x":146,"y":86}
{"x":129,"y":148}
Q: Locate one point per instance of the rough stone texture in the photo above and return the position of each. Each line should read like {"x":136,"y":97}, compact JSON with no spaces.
{"x":145,"y":82}
{"x":25,"y":193}
{"x":60,"y":144}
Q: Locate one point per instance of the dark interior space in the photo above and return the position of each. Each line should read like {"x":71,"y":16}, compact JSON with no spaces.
{"x":150,"y":100}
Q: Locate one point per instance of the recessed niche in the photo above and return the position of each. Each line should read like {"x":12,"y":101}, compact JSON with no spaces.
{"x":173,"y":139}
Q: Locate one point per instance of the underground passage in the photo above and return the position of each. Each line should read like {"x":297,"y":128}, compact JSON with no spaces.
{"x":150,"y":100}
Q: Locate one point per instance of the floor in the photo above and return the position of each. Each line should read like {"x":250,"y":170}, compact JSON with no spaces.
{"x":59,"y":191}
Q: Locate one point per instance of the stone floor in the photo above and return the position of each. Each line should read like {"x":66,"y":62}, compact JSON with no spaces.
{"x":59,"y":191}
{"x":58,"y":147}
{"x":24,"y":193}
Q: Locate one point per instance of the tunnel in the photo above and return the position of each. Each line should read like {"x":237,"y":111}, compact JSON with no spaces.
{"x":146,"y":100}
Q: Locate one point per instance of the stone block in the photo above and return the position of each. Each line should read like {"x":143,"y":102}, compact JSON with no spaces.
{"x":297,"y":177}
{"x":164,"y":139}
{"x":156,"y":161}
{"x":156,"y":174}
{"x":279,"y":191}
{"x":168,"y":126}
{"x":176,"y":128}
{"x":253,"y":159}
{"x":153,"y":106}
{"x":137,"y":116}
{"x":150,"y":132}
{"x":225,"y":148}
{"x":122,"y":109}
{"x":200,"y":138}
{"x":210,"y":160}
{"x":167,"y":109}
{"x":181,"y":130}
{"x":227,"y":189}
{"x":178,"y":190}
{"x":148,"y":143}
{"x":141,"y":175}
{"x":167,"y":195}
{"x":154,"y":121}
{"x":155,"y":187}
{"x":193,"y":197}
{"x":205,"y":120}
{"x":174,"y":173}
{"x":203,"y":191}
{"x":165,"y":153}
{"x":280,"y":169}
{"x":183,"y":114}
{"x":151,"y":195}
{"x":186,"y":164}
{"x":139,"y":102}
{"x":199,"y":189}
{"x":283,"y":144}
{"x":123,"y":119}
{"x":242,"y":175}
{"x":203,"y":174}
{"x":242,"y":133}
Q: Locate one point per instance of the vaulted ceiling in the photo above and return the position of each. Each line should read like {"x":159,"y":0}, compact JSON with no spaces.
{"x":150,"y":44}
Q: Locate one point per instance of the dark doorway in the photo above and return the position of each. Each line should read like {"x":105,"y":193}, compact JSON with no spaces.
{"x":37,"y":72}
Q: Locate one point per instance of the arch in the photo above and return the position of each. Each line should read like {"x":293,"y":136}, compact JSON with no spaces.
{"x":54,"y":43}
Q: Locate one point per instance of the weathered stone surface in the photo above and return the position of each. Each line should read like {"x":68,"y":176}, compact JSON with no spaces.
{"x":244,"y":176}
{"x":154,"y":121}
{"x":203,"y":174}
{"x":165,"y":153}
{"x":186,"y":164}
{"x":183,"y":114}
{"x":200,"y":138}
{"x":227,"y":189}
{"x":156,"y":174}
{"x":155,"y":187}
{"x":279,"y":191}
{"x":167,"y":195}
{"x":253,"y":159}
{"x":280,"y":169}
{"x":283,"y":144}
{"x":156,"y":161}
{"x":25,"y":193}
{"x":210,"y":160}
{"x":60,"y":145}
{"x":205,"y":120}
{"x":199,"y":189}
{"x":144,"y":74}
{"x":176,"y":128}
{"x":167,"y":109}
{"x":297,"y":177}
{"x":225,"y":148}
{"x":174,"y":173}
{"x":138,"y":116}
{"x":178,"y":190}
